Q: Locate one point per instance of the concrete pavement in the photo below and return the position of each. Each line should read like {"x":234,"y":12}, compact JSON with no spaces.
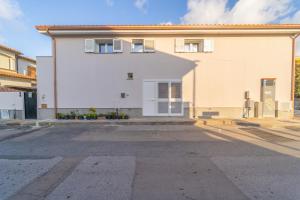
{"x":155,"y":162}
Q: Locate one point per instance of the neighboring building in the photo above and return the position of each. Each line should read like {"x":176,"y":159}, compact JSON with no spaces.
{"x":17,"y":84}
{"x":215,"y":71}
{"x":16,"y":71}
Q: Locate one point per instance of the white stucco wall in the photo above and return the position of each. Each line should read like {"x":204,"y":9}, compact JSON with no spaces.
{"x":237,"y":64}
{"x":45,"y":81}
{"x":11,"y":101}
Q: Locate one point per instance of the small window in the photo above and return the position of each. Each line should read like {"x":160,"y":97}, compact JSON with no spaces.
{"x":130,"y":76}
{"x":193,"y":46}
{"x":138,"y":46}
{"x":105,"y":46}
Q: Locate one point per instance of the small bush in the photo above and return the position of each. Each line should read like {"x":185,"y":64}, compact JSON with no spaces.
{"x":92,"y":110}
{"x":91,"y":116}
{"x":60,"y":116}
{"x":113,"y":115}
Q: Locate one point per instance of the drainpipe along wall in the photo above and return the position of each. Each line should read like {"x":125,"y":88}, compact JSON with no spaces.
{"x":54,"y":76}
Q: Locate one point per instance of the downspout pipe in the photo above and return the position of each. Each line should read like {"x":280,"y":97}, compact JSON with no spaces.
{"x":54,"y":73}
{"x":293,"y":74}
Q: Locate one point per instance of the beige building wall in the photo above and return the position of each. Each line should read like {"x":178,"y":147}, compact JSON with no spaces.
{"x":15,"y":82}
{"x":220,"y":78}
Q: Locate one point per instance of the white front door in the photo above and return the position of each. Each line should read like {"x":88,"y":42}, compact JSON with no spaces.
{"x":150,"y":98}
{"x":162,"y":98}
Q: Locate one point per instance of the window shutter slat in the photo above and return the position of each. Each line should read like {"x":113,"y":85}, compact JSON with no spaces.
{"x":89,"y":45}
{"x":117,"y":45}
{"x":149,"y":45}
{"x":179,"y":45}
{"x":208,"y":45}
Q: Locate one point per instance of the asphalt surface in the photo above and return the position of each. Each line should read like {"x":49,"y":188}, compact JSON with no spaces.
{"x":161,"y":162}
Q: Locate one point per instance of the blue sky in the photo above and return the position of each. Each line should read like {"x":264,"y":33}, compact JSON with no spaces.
{"x":18,"y":17}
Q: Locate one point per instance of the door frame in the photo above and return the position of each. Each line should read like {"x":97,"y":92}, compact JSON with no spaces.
{"x":30,"y":113}
{"x":169,"y":100}
{"x":264,"y":114}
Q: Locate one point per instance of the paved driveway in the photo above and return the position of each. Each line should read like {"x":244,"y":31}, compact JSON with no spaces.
{"x":90,"y":161}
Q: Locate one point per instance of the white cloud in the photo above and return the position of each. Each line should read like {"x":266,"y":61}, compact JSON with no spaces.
{"x":9,"y":10}
{"x":205,"y":11}
{"x":110,"y":2}
{"x":141,"y":5}
{"x":244,"y":11}
{"x":294,"y":19}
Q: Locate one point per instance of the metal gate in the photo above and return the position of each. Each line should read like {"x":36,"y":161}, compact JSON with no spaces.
{"x":30,"y":101}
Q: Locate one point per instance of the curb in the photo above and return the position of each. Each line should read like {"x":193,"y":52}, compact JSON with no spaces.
{"x":114,"y":122}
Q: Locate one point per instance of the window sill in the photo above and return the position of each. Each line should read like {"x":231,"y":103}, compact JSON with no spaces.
{"x":104,"y":53}
{"x":143,"y":52}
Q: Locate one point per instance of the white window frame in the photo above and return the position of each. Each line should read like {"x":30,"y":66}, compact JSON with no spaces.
{"x":97,"y":42}
{"x":144,"y":50}
{"x":204,"y":45}
{"x":169,"y":99}
{"x":132,"y":46}
{"x":191,"y":47}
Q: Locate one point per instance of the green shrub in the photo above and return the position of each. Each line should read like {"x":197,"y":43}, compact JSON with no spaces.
{"x":91,"y":116}
{"x":92,"y":110}
{"x":113,"y":115}
{"x":60,"y":116}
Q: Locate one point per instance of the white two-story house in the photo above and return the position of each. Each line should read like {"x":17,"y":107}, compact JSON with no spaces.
{"x":230,"y":71}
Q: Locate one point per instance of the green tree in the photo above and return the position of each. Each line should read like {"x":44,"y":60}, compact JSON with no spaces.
{"x":297,"y":82}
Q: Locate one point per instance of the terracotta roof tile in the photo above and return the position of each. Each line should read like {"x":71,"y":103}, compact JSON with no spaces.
{"x":168,"y":27}
{"x":9,"y":49}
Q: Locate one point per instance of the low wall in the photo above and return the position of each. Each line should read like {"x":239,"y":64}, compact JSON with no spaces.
{"x":12,"y":105}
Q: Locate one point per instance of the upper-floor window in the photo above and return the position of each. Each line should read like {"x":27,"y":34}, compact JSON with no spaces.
{"x":137,"y":46}
{"x":142,"y":45}
{"x":103,"y":46}
{"x":193,"y":45}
